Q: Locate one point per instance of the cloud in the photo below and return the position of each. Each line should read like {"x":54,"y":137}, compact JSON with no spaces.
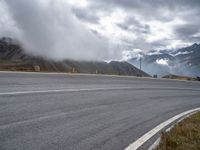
{"x":162,"y":62}
{"x":94,"y":29}
{"x":49,"y":28}
{"x":129,"y":54}
{"x":183,"y":53}
{"x":188,"y":32}
{"x":135,"y":26}
{"x":84,"y":15}
{"x":150,"y":24}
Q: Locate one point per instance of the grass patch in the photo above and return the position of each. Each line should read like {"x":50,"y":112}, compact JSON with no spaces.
{"x":171,"y":76}
{"x":183,"y":136}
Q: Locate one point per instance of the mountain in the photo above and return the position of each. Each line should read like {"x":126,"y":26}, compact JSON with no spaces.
{"x":13,"y":57}
{"x":184,"y":61}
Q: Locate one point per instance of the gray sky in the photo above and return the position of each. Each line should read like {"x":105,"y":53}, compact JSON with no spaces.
{"x":100,"y":29}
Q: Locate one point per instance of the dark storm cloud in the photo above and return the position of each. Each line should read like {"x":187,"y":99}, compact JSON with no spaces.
{"x":187,"y":31}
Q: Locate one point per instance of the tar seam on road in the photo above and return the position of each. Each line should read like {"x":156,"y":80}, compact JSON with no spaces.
{"x":139,"y":142}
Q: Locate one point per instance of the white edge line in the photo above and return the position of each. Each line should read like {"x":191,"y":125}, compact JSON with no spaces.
{"x":157,"y":142}
{"x":139,"y":142}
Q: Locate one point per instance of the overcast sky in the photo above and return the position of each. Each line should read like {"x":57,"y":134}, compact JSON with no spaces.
{"x":100,"y":29}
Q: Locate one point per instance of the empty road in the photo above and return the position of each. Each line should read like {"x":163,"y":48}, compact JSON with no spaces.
{"x":86,"y":112}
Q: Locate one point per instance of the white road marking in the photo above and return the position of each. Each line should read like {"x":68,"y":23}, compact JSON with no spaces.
{"x":139,"y":142}
{"x":157,"y":142}
{"x":89,"y":89}
{"x":62,"y":90}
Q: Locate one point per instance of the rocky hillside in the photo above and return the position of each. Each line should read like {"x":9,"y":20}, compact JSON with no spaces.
{"x":12,"y":57}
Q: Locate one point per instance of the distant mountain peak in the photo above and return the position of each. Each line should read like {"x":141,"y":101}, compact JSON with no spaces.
{"x":195,"y":45}
{"x":183,"y":61}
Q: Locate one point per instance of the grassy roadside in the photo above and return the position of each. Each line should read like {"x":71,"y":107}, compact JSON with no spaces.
{"x":171,"y":76}
{"x":184,"y":136}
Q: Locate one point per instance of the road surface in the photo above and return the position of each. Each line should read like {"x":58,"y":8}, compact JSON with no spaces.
{"x":84,"y":112}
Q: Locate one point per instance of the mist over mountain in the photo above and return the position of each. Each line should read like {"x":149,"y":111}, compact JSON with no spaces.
{"x":183,"y":61}
{"x":49,"y":29}
{"x":13,"y":57}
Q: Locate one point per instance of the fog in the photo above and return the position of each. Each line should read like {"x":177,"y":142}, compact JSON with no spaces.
{"x":48,"y":28}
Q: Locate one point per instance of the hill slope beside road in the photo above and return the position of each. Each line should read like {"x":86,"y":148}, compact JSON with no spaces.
{"x":12,"y":57}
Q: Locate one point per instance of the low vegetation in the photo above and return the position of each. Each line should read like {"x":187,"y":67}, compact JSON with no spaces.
{"x":171,"y":76}
{"x":184,"y":136}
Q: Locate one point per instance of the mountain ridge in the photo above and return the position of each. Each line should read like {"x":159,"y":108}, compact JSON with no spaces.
{"x":183,"y":61}
{"x":13,"y":57}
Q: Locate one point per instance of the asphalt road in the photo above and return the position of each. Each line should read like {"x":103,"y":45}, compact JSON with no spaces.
{"x":84,"y":112}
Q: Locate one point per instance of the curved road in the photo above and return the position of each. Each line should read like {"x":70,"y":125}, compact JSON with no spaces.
{"x":84,"y":112}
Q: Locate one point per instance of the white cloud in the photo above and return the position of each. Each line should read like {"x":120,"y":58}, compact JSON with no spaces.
{"x":78,"y":3}
{"x":183,"y":53}
{"x":154,"y":53}
{"x":162,"y":62}
{"x":151,"y":24}
{"x":128,"y":54}
{"x":50,"y":29}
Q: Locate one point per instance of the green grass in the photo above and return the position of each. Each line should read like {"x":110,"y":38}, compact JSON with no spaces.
{"x":184,"y":136}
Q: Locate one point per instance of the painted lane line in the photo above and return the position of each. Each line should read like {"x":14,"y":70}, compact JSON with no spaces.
{"x":90,"y":89}
{"x":62,"y":90}
{"x":139,"y":142}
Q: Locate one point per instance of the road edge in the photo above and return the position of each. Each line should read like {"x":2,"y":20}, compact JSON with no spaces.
{"x":144,"y":138}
